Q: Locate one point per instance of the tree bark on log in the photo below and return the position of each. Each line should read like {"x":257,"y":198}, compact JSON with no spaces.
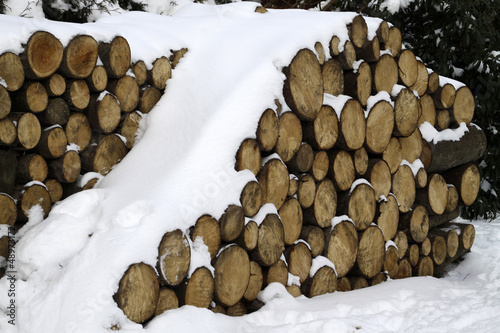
{"x":270,"y":244}
{"x":438,"y":220}
{"x":79,"y":57}
{"x":138,"y":292}
{"x":232,"y":275}
{"x":174,"y":256}
{"x":449,"y":154}
{"x":42,"y":55}
{"x":303,"y":89}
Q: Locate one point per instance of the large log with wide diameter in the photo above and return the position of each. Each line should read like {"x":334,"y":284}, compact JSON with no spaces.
{"x":42,"y":55}
{"x":232,"y":275}
{"x":80,"y":57}
{"x":174,"y":257}
{"x":138,"y":292}
{"x":270,"y":243}
{"x":341,"y":246}
{"x":303,"y":89}
{"x":371,"y":252}
{"x":359,"y":204}
{"x":115,"y":56}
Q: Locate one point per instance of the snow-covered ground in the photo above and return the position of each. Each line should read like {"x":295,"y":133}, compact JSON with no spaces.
{"x":182,"y":167}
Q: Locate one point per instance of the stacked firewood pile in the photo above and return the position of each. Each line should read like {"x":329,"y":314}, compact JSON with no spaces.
{"x":67,"y":112}
{"x":357,"y":183}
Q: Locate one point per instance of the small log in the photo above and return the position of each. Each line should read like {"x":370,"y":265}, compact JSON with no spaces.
{"x":347,"y":57}
{"x":217,"y":308}
{"x":403,"y":187}
{"x":177,"y":55}
{"x":315,"y":237}
{"x":5,"y":102}
{"x":467,"y":180}
{"x":394,"y":42}
{"x":425,"y":247}
{"x":299,"y":259}
{"x":97,"y":81}
{"x":103,"y":153}
{"x":359,"y":204}
{"x":406,"y":113}
{"x":341,"y":246}
{"x":126,"y":91}
{"x":358,"y":83}
{"x":78,"y":130}
{"x":463,"y":106}
{"x":29,"y":130}
{"x":8,"y":132}
{"x":466,"y":236}
{"x":435,"y":196}
{"x":405,"y":269}
{"x":422,"y":82}
{"x":129,"y":126}
{"x":383,"y":31}
{"x":411,"y":146}
{"x":358,"y":282}
{"x":270,"y":244}
{"x":415,"y":223}
{"x":55,"y":85}
{"x":289,"y":136}
{"x":324,"y":205}
{"x":57,"y":112}
{"x":448,"y":154}
{"x":267,"y":130}
{"x":292,"y":219}
{"x":77,"y":95}
{"x":341,"y":169}
{"x":425,"y":267}
{"x":251,"y":198}
{"x":307,"y":191}
{"x":444,"y":96}
{"x":323,"y":132}
{"x":360,"y":159}
{"x":384,"y":74}
{"x":66,"y":168}
{"x":379,"y":127}
{"x":302,"y":161}
{"x":274,"y":180}
{"x":255,"y":282}
{"x":115,"y":56}
{"x":387,"y":217}
{"x":31,"y":97}
{"x":232,"y":275}
{"x":167,"y":300}
{"x":248,"y":156}
{"x":140,"y":72}
{"x":358,"y":31}
{"x":453,"y":199}
{"x":237,"y":310}
{"x":277,"y":272}
{"x":231,"y":223}
{"x":428,"y":110}
{"x":198,"y":290}
{"x":392,"y":154}
{"x":433,"y":82}
{"x":149,"y":96}
{"x":371,"y":252}
{"x":413,"y":255}
{"x":401,"y":241}
{"x":408,"y":68}
{"x":293,"y":186}
{"x":42,"y":55}
{"x":378,"y":279}
{"x":52,"y":142}
{"x":370,"y":51}
{"x":421,"y":178}
{"x":79,"y":57}
{"x":438,"y":252}
{"x":208,"y":229}
{"x":451,"y":237}
{"x":333,"y":77}
{"x":320,"y":166}
{"x":426,"y":157}
{"x":30,"y":195}
{"x":391,"y":261}
{"x":31,"y":167}
{"x":324,"y":281}
{"x":11,"y":71}
{"x":343,"y":284}
{"x":8,"y":210}
{"x":379,"y":176}
{"x":160,"y":73}
{"x":174,"y":256}
{"x":442,"y":120}
{"x":55,"y":190}
{"x":303,"y":89}
{"x":318,"y":47}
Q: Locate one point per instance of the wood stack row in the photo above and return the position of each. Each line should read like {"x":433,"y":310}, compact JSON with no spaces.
{"x":66,"y":111}
{"x":347,"y":192}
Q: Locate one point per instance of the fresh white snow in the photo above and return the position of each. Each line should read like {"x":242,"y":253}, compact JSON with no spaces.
{"x":68,"y":266}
